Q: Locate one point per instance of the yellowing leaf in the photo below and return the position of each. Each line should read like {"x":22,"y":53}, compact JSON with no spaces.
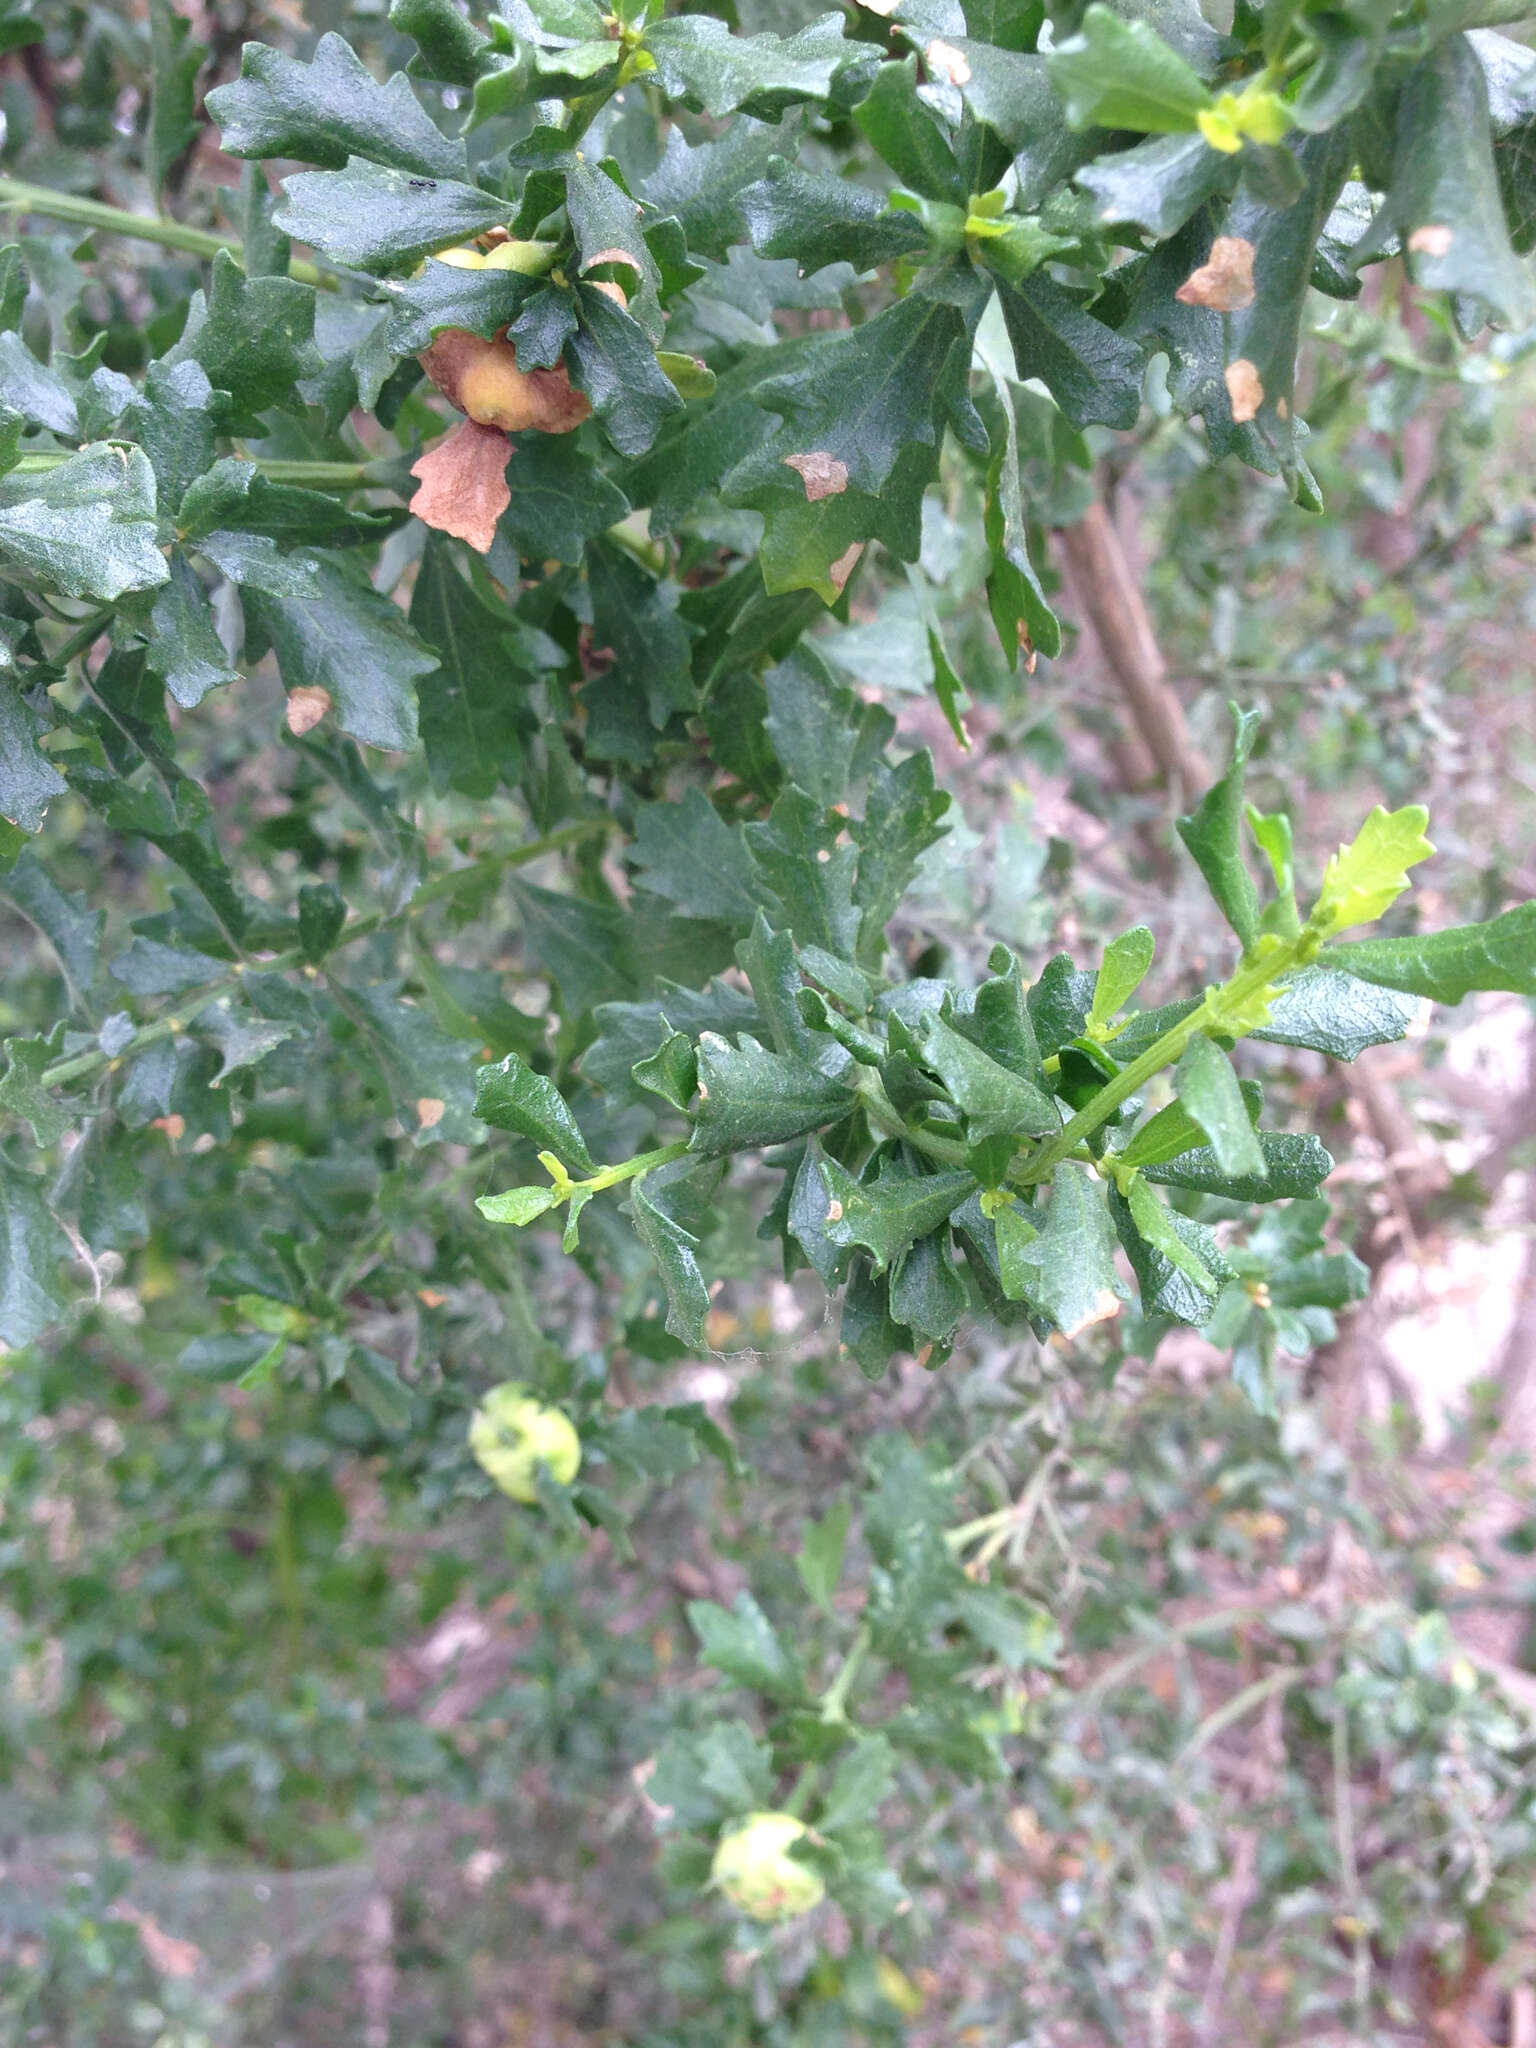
{"x":1366,"y":877}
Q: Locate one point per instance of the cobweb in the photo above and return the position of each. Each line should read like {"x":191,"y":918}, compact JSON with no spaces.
{"x":212,"y":1933}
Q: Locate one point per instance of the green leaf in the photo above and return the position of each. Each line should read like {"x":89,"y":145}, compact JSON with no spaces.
{"x":817,"y":220}
{"x":686,"y":853}
{"x":901,"y":821}
{"x":1295,"y":1166}
{"x":902,"y":131}
{"x":864,"y":1779}
{"x":87,"y":528}
{"x":1020,"y":611}
{"x":253,"y":336}
{"x":1213,"y":833}
{"x":606,"y":223}
{"x":1065,"y":1270}
{"x":474,"y":713}
{"x":329,"y":109}
{"x":672,"y":1071}
{"x":175,"y":61}
{"x":585,"y":946}
{"x":994,"y":1099}
{"x":1336,"y":1013}
{"x":1444,"y":201}
{"x":1164,"y":1282}
{"x":1366,"y":877}
{"x":32,"y":1248}
{"x":448,"y":295}
{"x":675,"y":1250}
{"x":614,"y":364}
{"x":1157,"y":1229}
{"x":517,"y":1206}
{"x":634,"y":614}
{"x":888,"y":1211}
{"x":184,"y":648}
{"x":703,"y":185}
{"x":374,"y":1382}
{"x":1209,"y":1091}
{"x":820,"y":1561}
{"x":927,"y":1294}
{"x":1017,"y":1630}
{"x":426,"y":1073}
{"x":510,"y":1096}
{"x":450,"y":47}
{"x":1127,"y":961}
{"x":21,"y":1086}
{"x":372,"y":218}
{"x":796,"y":851}
{"x":342,"y":637}
{"x":1093,"y":373}
{"x":67,"y":922}
{"x":700,"y":62}
{"x":28,"y":779}
{"x":749,"y":1097}
{"x":812,"y":724}
{"x":561,"y":500}
{"x":234,"y":496}
{"x":1158,"y":184}
{"x":1204,"y":343}
{"x":1445,"y":966}
{"x":742,"y":1644}
{"x":1121,"y":74}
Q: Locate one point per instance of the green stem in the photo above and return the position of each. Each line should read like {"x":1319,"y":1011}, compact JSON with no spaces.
{"x":79,"y":1065}
{"x":834,"y":1701}
{"x":883,"y":1113}
{"x":21,"y":197}
{"x":631,"y":1169}
{"x":320,"y":476}
{"x":1211,"y":1015}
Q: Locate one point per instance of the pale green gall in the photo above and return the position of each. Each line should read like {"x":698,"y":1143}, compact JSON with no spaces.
{"x":512,"y":1434}
{"x":755,"y":1870}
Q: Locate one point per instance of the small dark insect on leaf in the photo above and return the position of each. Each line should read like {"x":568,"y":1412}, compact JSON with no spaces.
{"x":423,"y":184}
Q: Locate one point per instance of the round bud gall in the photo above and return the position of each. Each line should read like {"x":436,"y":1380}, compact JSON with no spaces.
{"x":512,"y":1435}
{"x":755,"y":1870}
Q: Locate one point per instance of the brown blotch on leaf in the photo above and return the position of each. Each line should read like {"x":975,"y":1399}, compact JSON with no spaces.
{"x":1224,"y":282}
{"x":430,"y":1112}
{"x":463,"y":489}
{"x":482,"y":379}
{"x":1433,"y":239}
{"x":843,"y":567}
{"x":822,"y":474}
{"x":307,"y":705}
{"x":949,"y":63}
{"x":1245,"y":388}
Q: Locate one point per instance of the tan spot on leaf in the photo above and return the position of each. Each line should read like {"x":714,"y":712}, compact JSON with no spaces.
{"x":843,"y":567}
{"x":610,"y":289}
{"x":949,"y":63}
{"x":1224,"y":282}
{"x":834,"y":1211}
{"x":430,"y":1112}
{"x":1106,"y":1306}
{"x":463,"y":484}
{"x":609,"y":256}
{"x":1245,"y":389}
{"x":884,"y":8}
{"x":1431,"y":240}
{"x":430,"y":1298}
{"x":174,"y":1127}
{"x":822,"y":474}
{"x":307,"y":705}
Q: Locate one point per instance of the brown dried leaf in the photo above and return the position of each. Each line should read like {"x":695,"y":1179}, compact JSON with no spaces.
{"x":1224,"y":282}
{"x":464,"y":484}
